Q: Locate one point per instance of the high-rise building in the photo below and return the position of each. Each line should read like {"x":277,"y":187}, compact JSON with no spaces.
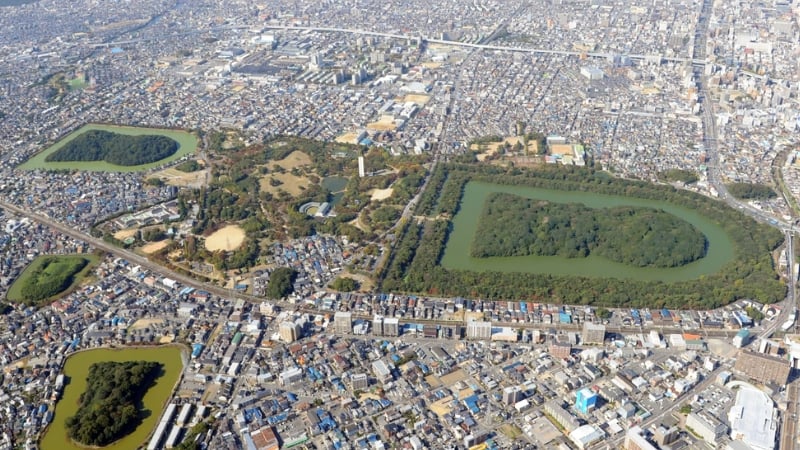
{"x":391,"y":326}
{"x":585,"y":400}
{"x":289,"y":331}
{"x":511,"y":395}
{"x":635,"y":440}
{"x":359,"y":381}
{"x":361,"y":170}
{"x":479,"y":329}
{"x":377,"y":326}
{"x":561,"y":350}
{"x":707,"y":426}
{"x":569,"y":422}
{"x":664,"y":435}
{"x":742,"y":338}
{"x":343,"y":322}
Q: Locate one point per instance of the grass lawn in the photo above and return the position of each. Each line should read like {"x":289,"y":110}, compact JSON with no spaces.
{"x":511,"y":431}
{"x":69,"y":268}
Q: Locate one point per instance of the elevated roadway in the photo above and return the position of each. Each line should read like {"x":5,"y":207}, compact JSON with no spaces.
{"x":508,"y":48}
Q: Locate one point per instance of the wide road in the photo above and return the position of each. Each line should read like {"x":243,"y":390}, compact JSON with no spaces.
{"x":678,"y":402}
{"x":228,"y":293}
{"x":231,"y":294}
{"x":128,"y":255}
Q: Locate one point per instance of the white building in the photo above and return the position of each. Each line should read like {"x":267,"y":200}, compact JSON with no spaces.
{"x":634,"y":438}
{"x":706,"y":426}
{"x":754,"y":419}
{"x":479,"y":329}
{"x":586,"y":435}
{"x":592,"y":73}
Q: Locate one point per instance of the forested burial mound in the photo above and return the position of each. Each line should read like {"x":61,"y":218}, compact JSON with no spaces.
{"x":115,"y":148}
{"x":511,"y":225}
{"x":109,"y":408}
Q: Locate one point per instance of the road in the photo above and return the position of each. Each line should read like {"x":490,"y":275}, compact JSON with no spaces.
{"x":677,"y":403}
{"x":129,"y":255}
{"x":231,"y":294}
{"x":430,"y":40}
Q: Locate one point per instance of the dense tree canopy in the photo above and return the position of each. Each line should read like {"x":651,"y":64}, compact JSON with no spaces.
{"x":115,"y":148}
{"x":49,"y":276}
{"x":110,"y":407}
{"x":751,"y":191}
{"x":681,"y":175}
{"x":345,"y":284}
{"x":413,"y":265}
{"x":189,"y":166}
{"x":280,"y":282}
{"x":511,"y":225}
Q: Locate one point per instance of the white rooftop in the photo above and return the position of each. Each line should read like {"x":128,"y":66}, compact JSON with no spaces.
{"x":753,"y":419}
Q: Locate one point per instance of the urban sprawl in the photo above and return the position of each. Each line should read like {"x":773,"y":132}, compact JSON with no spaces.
{"x":711,"y":87}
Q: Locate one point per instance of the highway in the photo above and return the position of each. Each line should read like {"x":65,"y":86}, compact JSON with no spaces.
{"x":429,"y":40}
{"x":477,"y":46}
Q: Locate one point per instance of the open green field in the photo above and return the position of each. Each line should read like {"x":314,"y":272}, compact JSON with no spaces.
{"x":433,"y":254}
{"x":155,"y":400}
{"x":187,"y":141}
{"x":77,"y":83}
{"x":51,"y":267}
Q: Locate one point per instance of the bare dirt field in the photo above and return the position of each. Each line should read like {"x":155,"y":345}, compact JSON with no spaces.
{"x":227,"y":238}
{"x":290,"y":183}
{"x":419,"y":99}
{"x":294,"y":159}
{"x":382,"y":194}
{"x":125,"y":234}
{"x":494,"y":147}
{"x":145,"y":323}
{"x":386,"y":123}
{"x":175,"y":177}
{"x":348,"y":138}
{"x":154,"y":246}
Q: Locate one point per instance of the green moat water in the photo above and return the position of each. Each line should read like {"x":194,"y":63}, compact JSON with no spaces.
{"x":187,"y":145}
{"x":456,"y":256}
{"x":76,"y":369}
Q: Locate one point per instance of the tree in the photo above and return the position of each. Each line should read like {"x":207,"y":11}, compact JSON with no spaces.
{"x":345,"y":284}
{"x":602,"y":313}
{"x":108,"y":408}
{"x":751,"y":191}
{"x":115,"y":148}
{"x":754,"y":314}
{"x":280,"y":282}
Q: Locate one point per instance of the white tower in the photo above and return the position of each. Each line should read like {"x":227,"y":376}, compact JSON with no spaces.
{"x":361,"y":172}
